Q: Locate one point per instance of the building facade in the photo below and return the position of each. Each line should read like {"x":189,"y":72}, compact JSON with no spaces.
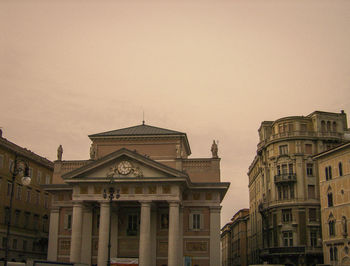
{"x":30,"y":209}
{"x":234,"y":241}
{"x":334,"y":173}
{"x":167,"y":207}
{"x":285,"y":225}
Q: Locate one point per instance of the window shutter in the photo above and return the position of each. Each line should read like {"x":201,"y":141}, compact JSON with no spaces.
{"x":190,"y":222}
{"x":201,"y":221}
{"x":66,"y":221}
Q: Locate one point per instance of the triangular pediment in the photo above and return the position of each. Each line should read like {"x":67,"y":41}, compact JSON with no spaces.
{"x":125,"y":164}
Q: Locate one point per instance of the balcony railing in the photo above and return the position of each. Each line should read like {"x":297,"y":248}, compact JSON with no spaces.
{"x":285,"y":178}
{"x":282,"y":250}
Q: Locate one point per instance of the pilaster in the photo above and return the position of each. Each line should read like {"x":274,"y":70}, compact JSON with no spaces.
{"x":53,"y":235}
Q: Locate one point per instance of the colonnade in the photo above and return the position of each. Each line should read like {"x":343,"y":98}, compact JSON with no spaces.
{"x":80,"y":249}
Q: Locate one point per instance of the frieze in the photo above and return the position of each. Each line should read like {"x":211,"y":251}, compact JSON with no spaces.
{"x":197,"y":246}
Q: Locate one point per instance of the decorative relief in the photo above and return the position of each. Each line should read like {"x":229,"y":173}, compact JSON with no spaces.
{"x":138,"y":190}
{"x":125,"y":190}
{"x":208,"y":196}
{"x":166,"y":189}
{"x":162,"y":246}
{"x":97,"y":190}
{"x":124,"y":168}
{"x":83,"y":190}
{"x":196,"y":196}
{"x":64,"y":246}
{"x":152,"y":189}
{"x":197,"y":246}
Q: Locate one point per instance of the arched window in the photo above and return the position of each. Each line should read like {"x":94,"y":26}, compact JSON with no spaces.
{"x":328,"y":126}
{"x":326,"y":173}
{"x":335,"y":253}
{"x":323,"y":126}
{"x":334,"y":125}
{"x":340,"y":166}
{"x":330,"y":199}
{"x":331,"y":228}
{"x":330,"y":172}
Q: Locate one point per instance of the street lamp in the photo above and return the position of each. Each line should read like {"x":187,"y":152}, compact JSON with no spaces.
{"x":18,"y":166}
{"x":110,"y":195}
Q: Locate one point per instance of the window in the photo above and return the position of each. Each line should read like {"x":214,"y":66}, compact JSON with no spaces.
{"x":331,"y":257}
{"x":334,"y":127}
{"x":1,"y":161}
{"x":47,"y":179}
{"x":4,"y":242}
{"x":46,"y":201}
{"x":303,"y":127}
{"x":68,"y":221}
{"x":311,"y":191}
{"x":323,"y":126}
{"x":308,"y":148}
{"x":26,"y":219}
{"x":164,"y":221}
{"x":335,"y":253}
{"x":196,"y":221}
{"x":7,"y":215}
{"x":283,"y":149}
{"x":28,"y":195}
{"x":45,"y":223}
{"x":313,"y":238}
{"x":284,"y":169}
{"x":132,"y":225}
{"x":39,"y":177}
{"x":290,"y":166}
{"x":312,"y":215}
{"x":36,"y":222}
{"x":330,"y":199}
{"x":292,"y":191}
{"x":328,"y":171}
{"x":19,"y":192}
{"x":328,"y":126}
{"x":288,"y":239}
{"x":280,"y":192}
{"x":9,"y":188}
{"x":287,"y":215}
{"x":14,"y":244}
{"x":17,"y":216}
{"x":331,"y":228}
{"x":340,"y":166}
{"x":10,"y":164}
{"x":344,"y":226}
{"x":24,"y":245}
{"x":309,"y":169}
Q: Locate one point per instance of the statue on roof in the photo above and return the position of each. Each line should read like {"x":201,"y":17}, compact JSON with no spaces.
{"x":92,"y":152}
{"x":214,"y":149}
{"x":59,"y":153}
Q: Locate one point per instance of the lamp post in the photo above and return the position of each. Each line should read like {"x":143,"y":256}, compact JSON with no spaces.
{"x":18,"y":166}
{"x":110,"y":195}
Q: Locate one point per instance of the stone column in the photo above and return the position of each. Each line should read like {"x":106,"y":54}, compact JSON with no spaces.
{"x":114,"y":233}
{"x":75,"y":247}
{"x":87,"y":236}
{"x":53,"y":235}
{"x":215,"y":235}
{"x":145,"y":234}
{"x":173,"y":239}
{"x":154,"y":236}
{"x":102,"y":254}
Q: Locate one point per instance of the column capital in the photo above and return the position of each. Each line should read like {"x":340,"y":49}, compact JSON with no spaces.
{"x":215,"y":209}
{"x":55,"y":209}
{"x":146,"y":202}
{"x":104,"y":203}
{"x":77,"y":203}
{"x":174,"y":203}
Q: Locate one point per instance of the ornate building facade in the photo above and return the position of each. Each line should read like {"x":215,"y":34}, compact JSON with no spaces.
{"x":334,"y":173}
{"x":166,"y":207}
{"x":285,"y":225}
{"x":30,"y":209}
{"x":234,"y":241}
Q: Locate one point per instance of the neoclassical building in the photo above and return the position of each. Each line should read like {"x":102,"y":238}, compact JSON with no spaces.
{"x":284,"y":187}
{"x":165,"y":210}
{"x":334,"y":169}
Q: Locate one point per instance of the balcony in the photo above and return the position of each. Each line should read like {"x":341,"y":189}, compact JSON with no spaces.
{"x":285,"y":178}
{"x":282,"y":251}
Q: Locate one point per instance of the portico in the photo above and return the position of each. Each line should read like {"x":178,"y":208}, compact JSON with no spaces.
{"x":163,"y":212}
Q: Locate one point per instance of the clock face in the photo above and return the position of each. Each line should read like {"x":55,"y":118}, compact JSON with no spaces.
{"x":124,"y":168}
{"x":26,"y":180}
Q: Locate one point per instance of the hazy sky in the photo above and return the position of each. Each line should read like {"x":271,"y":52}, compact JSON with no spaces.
{"x":213,"y":69}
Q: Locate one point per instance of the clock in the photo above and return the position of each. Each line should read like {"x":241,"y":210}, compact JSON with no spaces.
{"x":124,"y":167}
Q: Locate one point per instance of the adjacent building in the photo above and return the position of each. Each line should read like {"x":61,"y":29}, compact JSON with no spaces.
{"x":334,"y":174}
{"x":234,"y":241}
{"x":165,"y":209}
{"x":284,"y":198}
{"x":30,"y":210}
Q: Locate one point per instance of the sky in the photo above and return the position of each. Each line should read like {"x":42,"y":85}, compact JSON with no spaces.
{"x":211,"y":69}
